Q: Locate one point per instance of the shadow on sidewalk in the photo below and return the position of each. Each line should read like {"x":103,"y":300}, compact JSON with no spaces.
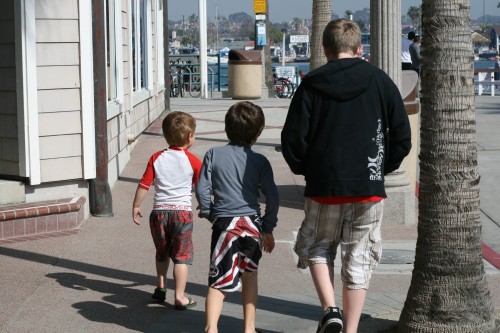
{"x":125,"y":305}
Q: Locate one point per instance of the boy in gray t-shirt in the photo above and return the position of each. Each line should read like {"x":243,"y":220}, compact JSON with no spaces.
{"x":235,"y":175}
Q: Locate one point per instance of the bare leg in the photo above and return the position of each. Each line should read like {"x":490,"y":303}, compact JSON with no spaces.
{"x":161,"y":272}
{"x":213,"y":309}
{"x":353,"y":301}
{"x":249,"y":299}
{"x":180,"y":280}
{"x":322,"y":275}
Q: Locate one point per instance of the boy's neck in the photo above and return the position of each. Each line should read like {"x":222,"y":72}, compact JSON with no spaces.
{"x":185,"y":147}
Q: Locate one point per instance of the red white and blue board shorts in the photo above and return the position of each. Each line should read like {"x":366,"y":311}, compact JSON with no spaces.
{"x":235,"y":249}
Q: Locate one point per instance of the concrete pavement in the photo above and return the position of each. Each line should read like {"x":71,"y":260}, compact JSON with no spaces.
{"x":101,"y":278}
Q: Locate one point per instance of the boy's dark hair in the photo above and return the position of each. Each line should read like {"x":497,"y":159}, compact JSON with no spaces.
{"x":244,"y":123}
{"x":177,"y":126}
{"x":411,"y":35}
{"x":342,"y":36}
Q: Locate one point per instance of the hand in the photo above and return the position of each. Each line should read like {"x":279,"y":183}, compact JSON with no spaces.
{"x":136,"y":213}
{"x":199,"y":211}
{"x":267,"y":243}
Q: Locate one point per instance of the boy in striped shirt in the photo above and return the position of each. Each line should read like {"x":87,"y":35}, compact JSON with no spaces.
{"x":174,"y":172}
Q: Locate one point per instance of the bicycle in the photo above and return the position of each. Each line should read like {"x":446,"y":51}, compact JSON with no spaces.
{"x":176,"y":79}
{"x":282,"y":87}
{"x":192,"y":81}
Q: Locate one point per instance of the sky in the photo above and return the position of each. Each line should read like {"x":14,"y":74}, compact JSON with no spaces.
{"x":284,"y":10}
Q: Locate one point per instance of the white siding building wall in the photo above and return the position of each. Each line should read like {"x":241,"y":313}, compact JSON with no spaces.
{"x":47,"y":127}
{"x":58,"y":76}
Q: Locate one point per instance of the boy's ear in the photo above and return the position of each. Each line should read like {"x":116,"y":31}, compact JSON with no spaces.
{"x":359,"y":52}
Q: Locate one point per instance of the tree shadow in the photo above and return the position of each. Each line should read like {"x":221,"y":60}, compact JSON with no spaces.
{"x":369,"y":324}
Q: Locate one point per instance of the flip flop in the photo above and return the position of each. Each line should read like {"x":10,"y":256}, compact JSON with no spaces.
{"x":189,"y":305}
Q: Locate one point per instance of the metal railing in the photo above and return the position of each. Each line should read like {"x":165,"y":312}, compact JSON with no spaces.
{"x":485,"y":82}
{"x":189,"y":63}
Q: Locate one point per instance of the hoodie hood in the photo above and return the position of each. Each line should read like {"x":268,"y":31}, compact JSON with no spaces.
{"x":341,"y":79}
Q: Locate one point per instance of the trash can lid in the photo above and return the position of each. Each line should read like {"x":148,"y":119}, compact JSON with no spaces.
{"x":244,"y":57}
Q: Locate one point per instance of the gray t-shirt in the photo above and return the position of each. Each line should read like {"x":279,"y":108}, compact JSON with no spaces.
{"x":235,"y":176}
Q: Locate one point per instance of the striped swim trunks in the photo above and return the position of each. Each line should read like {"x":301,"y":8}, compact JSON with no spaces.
{"x":235,"y":249}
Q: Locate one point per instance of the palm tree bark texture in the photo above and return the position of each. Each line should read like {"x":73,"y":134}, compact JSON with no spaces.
{"x":321,"y":15}
{"x":448,"y":292}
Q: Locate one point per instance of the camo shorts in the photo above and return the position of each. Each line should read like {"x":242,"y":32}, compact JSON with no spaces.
{"x":172,"y":232}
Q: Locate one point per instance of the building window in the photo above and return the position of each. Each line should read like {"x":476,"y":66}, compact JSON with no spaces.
{"x":159,"y":43}
{"x":114,"y":75}
{"x":140,"y":47}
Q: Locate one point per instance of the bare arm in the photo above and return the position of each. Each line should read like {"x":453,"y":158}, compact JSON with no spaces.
{"x":136,"y":207}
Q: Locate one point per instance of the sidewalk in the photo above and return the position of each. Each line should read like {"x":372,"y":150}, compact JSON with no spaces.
{"x":101,"y":278}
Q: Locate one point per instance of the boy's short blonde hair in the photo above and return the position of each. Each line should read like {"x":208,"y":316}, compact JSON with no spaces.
{"x":177,"y":126}
{"x":342,"y":36}
{"x":244,"y":122}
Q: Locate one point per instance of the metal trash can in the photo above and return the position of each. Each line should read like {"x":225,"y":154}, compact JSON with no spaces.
{"x":244,"y":74}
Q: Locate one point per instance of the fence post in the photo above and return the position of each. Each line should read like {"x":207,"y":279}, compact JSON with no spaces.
{"x":480,"y":78}
{"x":492,"y":87}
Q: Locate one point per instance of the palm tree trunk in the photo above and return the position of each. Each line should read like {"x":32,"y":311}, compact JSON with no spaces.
{"x":321,"y":15}
{"x":448,"y":291}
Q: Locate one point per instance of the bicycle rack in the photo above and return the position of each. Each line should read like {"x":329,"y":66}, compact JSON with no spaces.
{"x":212,"y":82}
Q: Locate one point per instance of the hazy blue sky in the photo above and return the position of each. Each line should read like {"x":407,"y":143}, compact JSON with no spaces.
{"x":282,"y":10}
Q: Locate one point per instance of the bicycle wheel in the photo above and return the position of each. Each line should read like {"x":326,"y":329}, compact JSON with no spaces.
{"x":281,"y":88}
{"x":180,"y":85}
{"x":291,"y":89}
{"x":174,"y":88}
{"x":195,"y":85}
{"x":194,"y":91}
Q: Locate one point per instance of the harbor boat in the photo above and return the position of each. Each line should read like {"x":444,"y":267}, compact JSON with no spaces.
{"x":302,"y":58}
{"x":213,"y":59}
{"x":222,"y":55}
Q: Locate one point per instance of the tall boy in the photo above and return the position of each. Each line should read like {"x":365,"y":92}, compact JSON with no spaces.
{"x":174,"y":172}
{"x":345,"y":129}
{"x":235,"y":174}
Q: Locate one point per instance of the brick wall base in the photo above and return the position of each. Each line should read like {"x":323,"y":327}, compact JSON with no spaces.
{"x":50,"y":218}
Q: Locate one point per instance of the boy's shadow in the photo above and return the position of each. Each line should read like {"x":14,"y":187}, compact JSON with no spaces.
{"x":122,"y":304}
{"x":133,"y":309}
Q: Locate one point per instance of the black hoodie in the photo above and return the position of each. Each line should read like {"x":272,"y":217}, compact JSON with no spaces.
{"x":345,"y":129}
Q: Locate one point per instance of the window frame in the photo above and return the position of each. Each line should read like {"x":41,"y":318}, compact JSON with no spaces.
{"x":114,"y":74}
{"x":160,"y":54}
{"x":142,"y":78}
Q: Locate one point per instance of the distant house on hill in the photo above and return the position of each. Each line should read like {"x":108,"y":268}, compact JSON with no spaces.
{"x":480,"y":41}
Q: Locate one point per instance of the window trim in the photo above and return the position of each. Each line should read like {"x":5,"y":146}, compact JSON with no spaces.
{"x":160,"y":52}
{"x":115,"y":105}
{"x":138,"y":93}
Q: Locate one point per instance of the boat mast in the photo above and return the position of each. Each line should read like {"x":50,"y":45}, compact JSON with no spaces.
{"x":216,"y":29}
{"x":283,"y":52}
